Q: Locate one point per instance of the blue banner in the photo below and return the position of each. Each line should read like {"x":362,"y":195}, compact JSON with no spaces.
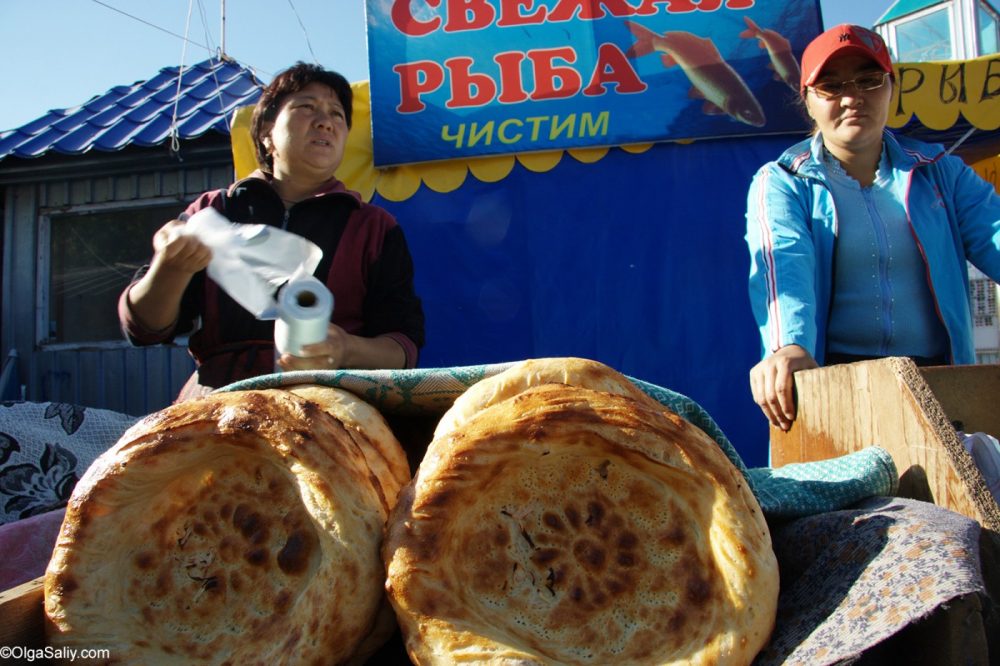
{"x":460,"y":78}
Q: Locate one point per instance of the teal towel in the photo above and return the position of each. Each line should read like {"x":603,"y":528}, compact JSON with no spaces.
{"x":805,"y":489}
{"x":793,"y":490}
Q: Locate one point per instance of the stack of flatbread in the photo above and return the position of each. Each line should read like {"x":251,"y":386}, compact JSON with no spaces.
{"x":562,"y":516}
{"x":239,"y":528}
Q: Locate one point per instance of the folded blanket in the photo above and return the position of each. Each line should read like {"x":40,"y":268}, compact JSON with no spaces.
{"x":852,"y":578}
{"x":44,"y":449}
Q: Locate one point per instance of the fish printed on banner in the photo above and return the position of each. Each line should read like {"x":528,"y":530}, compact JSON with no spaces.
{"x":783,"y":61}
{"x":711,"y":77}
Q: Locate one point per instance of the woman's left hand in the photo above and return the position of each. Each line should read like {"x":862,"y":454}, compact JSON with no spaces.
{"x":331,"y":354}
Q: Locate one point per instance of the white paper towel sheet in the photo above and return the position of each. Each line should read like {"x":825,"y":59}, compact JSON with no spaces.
{"x":249,"y":261}
{"x":304,"y":308}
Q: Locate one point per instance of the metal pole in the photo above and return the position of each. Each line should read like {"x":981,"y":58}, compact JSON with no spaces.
{"x":222,"y":40}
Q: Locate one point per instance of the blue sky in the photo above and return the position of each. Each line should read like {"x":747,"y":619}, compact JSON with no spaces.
{"x":60,"y":53}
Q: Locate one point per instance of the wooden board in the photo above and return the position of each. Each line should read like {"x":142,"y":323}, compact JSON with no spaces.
{"x":908,"y":411}
{"x":22,"y":615}
{"x":893,"y":404}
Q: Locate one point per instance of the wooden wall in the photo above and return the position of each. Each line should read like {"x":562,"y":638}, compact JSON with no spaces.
{"x":109,"y":375}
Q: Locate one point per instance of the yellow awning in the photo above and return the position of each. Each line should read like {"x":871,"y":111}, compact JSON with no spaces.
{"x":936,"y":92}
{"x":399,"y":183}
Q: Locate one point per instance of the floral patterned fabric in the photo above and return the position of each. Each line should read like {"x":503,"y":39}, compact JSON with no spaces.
{"x":851,"y":579}
{"x":45,"y":448}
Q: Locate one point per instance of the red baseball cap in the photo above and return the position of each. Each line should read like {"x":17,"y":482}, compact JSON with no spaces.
{"x":844,"y":38}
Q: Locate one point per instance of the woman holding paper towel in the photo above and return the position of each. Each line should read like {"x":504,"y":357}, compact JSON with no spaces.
{"x":299,"y":128}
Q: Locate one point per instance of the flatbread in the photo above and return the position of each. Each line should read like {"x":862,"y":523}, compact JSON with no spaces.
{"x":566,"y":525}
{"x":535,"y":372}
{"x":387,"y":460}
{"x":241,"y":527}
{"x":382,"y":451}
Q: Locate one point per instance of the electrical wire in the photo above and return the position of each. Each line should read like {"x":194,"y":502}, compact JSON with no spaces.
{"x":151,"y":25}
{"x":175,"y":143}
{"x":304,"y":32}
{"x":220,"y":56}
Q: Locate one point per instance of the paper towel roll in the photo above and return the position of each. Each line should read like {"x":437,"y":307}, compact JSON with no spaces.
{"x":304,"y":308}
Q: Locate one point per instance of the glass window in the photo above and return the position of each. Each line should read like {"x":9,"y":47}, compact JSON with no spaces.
{"x":927,"y":37}
{"x":988,"y":31}
{"x":984,"y":301}
{"x":92,"y":257}
{"x":987,"y":357}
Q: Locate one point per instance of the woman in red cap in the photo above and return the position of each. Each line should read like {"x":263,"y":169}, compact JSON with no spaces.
{"x":859,"y":239}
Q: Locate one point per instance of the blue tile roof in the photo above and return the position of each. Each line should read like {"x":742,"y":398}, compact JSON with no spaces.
{"x":141,"y":114}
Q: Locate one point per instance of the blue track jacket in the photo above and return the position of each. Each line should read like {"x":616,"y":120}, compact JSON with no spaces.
{"x":792,"y":223}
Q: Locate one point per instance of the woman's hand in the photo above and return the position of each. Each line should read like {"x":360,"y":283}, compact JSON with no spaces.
{"x":176,"y":252}
{"x":331,"y":354}
{"x":773,"y":385}
{"x":155,"y":299}
{"x":343,"y":350}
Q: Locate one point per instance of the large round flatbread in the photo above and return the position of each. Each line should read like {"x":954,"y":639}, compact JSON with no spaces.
{"x":241,"y":527}
{"x":565,"y":525}
{"x":572,"y":371}
{"x":368,"y":427}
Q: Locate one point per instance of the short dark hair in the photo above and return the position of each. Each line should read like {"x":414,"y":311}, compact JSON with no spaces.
{"x":292,"y":80}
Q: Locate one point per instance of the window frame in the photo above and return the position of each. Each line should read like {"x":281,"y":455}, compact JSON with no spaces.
{"x":982,"y":7}
{"x":43,"y":273}
{"x":957,"y":48}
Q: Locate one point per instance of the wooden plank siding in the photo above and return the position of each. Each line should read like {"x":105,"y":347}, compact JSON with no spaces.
{"x":108,"y":374}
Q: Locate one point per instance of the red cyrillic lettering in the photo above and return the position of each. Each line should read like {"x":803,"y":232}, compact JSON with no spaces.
{"x":590,"y":9}
{"x":416,"y":79}
{"x":405,"y":22}
{"x":511,"y":82}
{"x":510,"y":13}
{"x":613,"y":67}
{"x":648,"y":7}
{"x":552,"y":81}
{"x":468,"y":89}
{"x":469,"y":15}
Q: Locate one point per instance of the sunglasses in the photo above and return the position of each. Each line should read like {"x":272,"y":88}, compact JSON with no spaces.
{"x":863,"y":83}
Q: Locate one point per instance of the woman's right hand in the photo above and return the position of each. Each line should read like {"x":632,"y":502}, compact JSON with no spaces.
{"x":155,"y":300}
{"x":773,"y":385}
{"x":176,"y":252}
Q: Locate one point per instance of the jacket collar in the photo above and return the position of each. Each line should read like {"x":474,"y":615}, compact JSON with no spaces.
{"x":806,"y":157}
{"x":331,"y":187}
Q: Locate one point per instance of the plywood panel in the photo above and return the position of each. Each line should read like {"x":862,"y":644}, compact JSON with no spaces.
{"x":889,"y":403}
{"x":969,"y":395}
{"x":21,"y":615}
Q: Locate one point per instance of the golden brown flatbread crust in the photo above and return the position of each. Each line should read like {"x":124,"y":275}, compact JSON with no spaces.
{"x":581,"y":527}
{"x":381,"y":449}
{"x":535,"y":372}
{"x":241,"y":527}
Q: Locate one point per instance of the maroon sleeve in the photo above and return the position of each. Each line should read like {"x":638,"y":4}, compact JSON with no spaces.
{"x":135,"y":332}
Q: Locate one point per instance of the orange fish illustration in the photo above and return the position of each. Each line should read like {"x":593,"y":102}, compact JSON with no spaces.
{"x":784,"y":64}
{"x":712,"y":79}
